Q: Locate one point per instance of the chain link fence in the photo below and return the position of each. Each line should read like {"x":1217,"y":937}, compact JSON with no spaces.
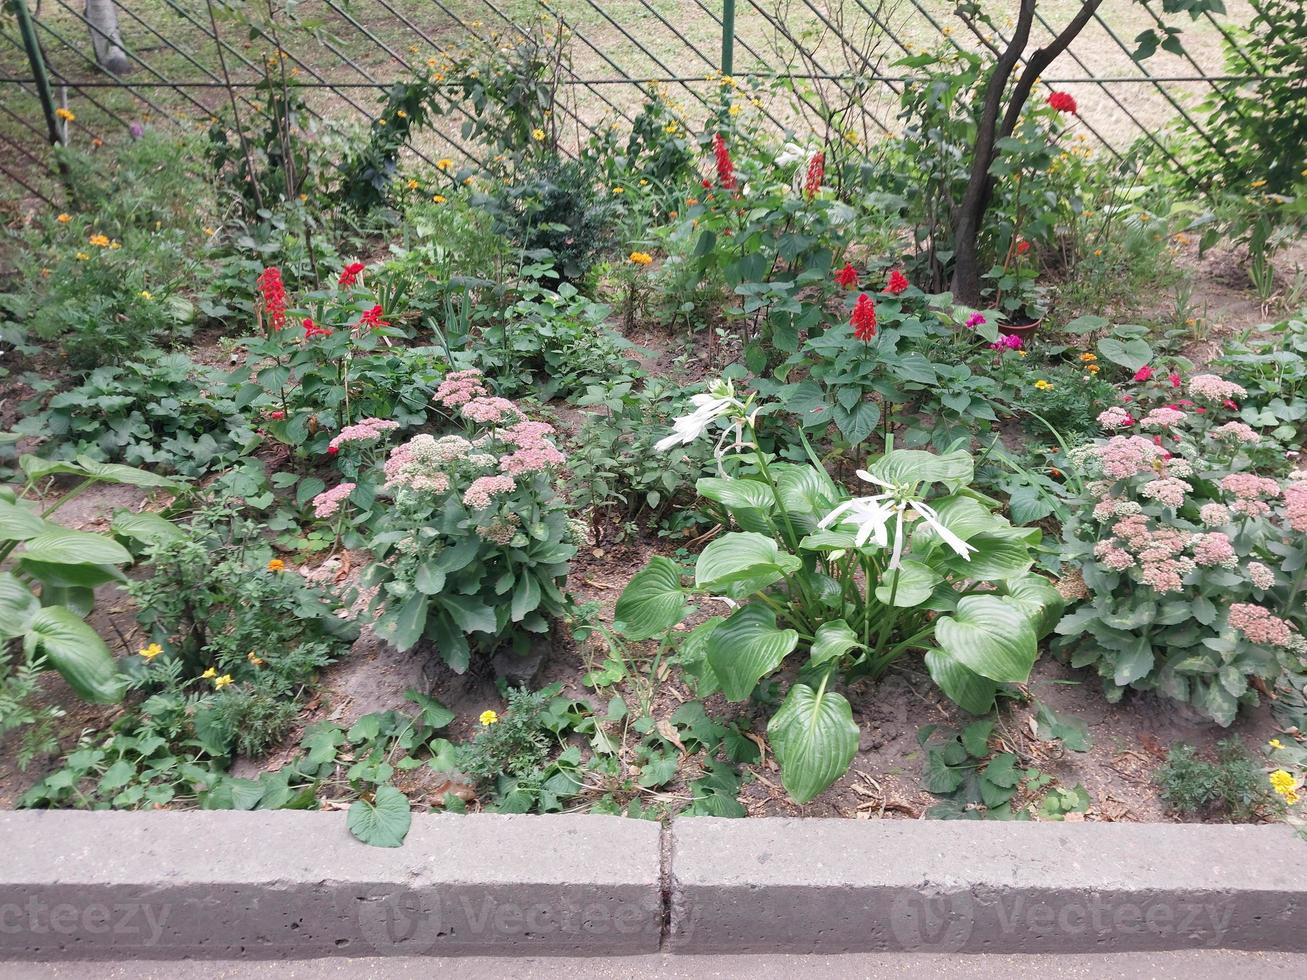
{"x":117,"y":69}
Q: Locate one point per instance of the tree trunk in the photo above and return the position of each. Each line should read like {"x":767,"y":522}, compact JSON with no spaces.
{"x":102,"y":22}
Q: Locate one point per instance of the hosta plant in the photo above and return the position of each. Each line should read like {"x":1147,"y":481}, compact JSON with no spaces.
{"x":1188,"y":563}
{"x":49,"y":573}
{"x":920,"y":565}
{"x":471,"y":538}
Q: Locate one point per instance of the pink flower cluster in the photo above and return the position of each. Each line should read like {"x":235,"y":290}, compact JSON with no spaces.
{"x":489,"y":410}
{"x":1125,"y":456}
{"x":1261,"y":576}
{"x":1236,"y":432}
{"x":1167,"y":490}
{"x":1162,"y":418}
{"x":975,"y":320}
{"x":479,"y":495}
{"x":365,"y":430}
{"x":1214,"y":515}
{"x":1006,"y":342}
{"x":1259,"y":625}
{"x":1214,"y":389}
{"x":327,"y":503}
{"x":460,"y":387}
{"x":1295,"y":506}
{"x":1248,"y":490}
{"x":1215,"y":548}
{"x":533,"y":450}
{"x":1160,"y":552}
{"x":1115,"y":418}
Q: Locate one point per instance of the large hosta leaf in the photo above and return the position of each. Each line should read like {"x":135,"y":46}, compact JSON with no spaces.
{"x":746,"y":648}
{"x":17,"y":523}
{"x":88,"y":468}
{"x":904,"y":467}
{"x":991,"y":636}
{"x":18,"y":607}
{"x":749,"y":502}
{"x":965,"y":687}
{"x":1040,"y":598}
{"x":832,"y":641}
{"x":742,"y":563}
{"x":910,"y":584}
{"x":652,"y":601}
{"x":77,"y":652}
{"x":814,"y":738}
{"x":64,"y":546}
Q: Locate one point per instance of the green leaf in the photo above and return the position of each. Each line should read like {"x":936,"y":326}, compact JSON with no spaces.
{"x":470,"y":613}
{"x":383,"y":821}
{"x":990,"y":636}
{"x":526,"y":596}
{"x":403,"y":627}
{"x":915,"y":583}
{"x":975,"y":737}
{"x":147,"y":527}
{"x":736,"y":494}
{"x":814,"y":738}
{"x":652,"y":601}
{"x":320,"y":741}
{"x":64,"y":546}
{"x":77,"y":652}
{"x":1131,"y":354}
{"x":88,"y":468}
{"x":17,"y":523}
{"x":967,"y":689}
{"x":742,"y":563}
{"x":833,"y":640}
{"x":746,"y":648}
{"x":904,"y":467}
{"x":938,"y":776}
{"x":18,"y":607}
{"x":1134,"y":662}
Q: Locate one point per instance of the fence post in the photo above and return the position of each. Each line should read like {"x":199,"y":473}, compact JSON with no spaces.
{"x":27,"y":29}
{"x":728,"y":36}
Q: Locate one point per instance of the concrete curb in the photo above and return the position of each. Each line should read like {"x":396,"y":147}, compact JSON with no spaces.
{"x":833,"y":886}
{"x":293,"y":884}
{"x":216,"y":885}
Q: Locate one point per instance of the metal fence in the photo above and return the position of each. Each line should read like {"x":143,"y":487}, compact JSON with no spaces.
{"x":191,"y":61}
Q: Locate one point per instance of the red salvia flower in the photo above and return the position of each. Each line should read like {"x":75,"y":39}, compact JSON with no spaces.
{"x":312,"y":330}
{"x":864,"y":317}
{"x":1062,"y":102}
{"x":847,"y":276}
{"x":273,"y":294}
{"x":372,"y":318}
{"x":897,"y":282}
{"x":350,"y":274}
{"x":1023,"y":246}
{"x":725,"y":169}
{"x":816,"y":172}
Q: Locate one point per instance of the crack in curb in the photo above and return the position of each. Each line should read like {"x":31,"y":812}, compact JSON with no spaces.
{"x":665,"y":842}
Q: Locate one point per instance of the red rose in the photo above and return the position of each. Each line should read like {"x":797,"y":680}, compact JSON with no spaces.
{"x":1062,"y":102}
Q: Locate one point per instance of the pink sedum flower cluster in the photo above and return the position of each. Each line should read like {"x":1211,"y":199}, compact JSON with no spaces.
{"x":362,"y":432}
{"x":460,"y":387}
{"x":328,"y":503}
{"x":1260,"y":625}
{"x":1211,"y":388}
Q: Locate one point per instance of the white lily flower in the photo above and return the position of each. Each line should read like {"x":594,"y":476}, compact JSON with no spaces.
{"x":719,"y":400}
{"x":792,"y":153}
{"x":872,"y":514}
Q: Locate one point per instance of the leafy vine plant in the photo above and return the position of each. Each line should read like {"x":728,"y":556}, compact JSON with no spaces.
{"x":922,"y":565}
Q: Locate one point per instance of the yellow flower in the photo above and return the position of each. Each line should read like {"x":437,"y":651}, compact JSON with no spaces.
{"x":210,"y":673}
{"x":1259,"y":183}
{"x":413,"y":185}
{"x":489,"y":718}
{"x":63,"y":219}
{"x":145,"y":294}
{"x":381,"y":122}
{"x":65,"y":114}
{"x":671,"y":128}
{"x":437,"y":198}
{"x":619,"y":190}
{"x":444,"y":164}
{"x":644,"y":182}
{"x":276,"y":565}
{"x":401,"y":114}
{"x":113,"y":246}
{"x":100,"y":241}
{"x":1088,"y":357}
{"x":220,"y":682}
{"x":1043,"y":385}
{"x":1022,"y":353}
{"x":1281,"y":780}
{"x":255,"y":659}
{"x":734,"y":110}
{"x":81,"y":256}
{"x":640,"y":258}
{"x":1092,"y":368}
{"x":209,"y":231}
{"x":538,"y":135}
{"x":150,"y":652}
{"x":1275,"y":743}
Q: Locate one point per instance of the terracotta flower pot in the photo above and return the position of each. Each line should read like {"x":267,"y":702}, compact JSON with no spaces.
{"x":1022,"y":330}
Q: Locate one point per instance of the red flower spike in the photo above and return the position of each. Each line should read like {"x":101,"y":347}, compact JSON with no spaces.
{"x":725,"y":168}
{"x":1023,"y":246}
{"x":372,"y":318}
{"x":1174,"y":378}
{"x":312,"y":330}
{"x":816,"y":172}
{"x":863,"y":318}
{"x":846,"y":277}
{"x":272,"y":292}
{"x":898,"y":282}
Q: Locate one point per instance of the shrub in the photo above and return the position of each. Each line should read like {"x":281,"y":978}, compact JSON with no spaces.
{"x":1187,"y":562}
{"x":472,"y":543}
{"x":1233,"y":785}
